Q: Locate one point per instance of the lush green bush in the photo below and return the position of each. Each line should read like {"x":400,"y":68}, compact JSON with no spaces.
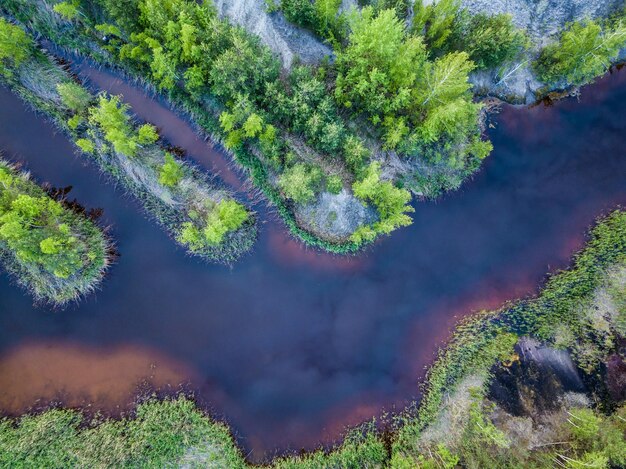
{"x":391,"y":202}
{"x":15,"y":47}
{"x":171,"y":172}
{"x":54,"y":252}
{"x":387,"y":73}
{"x":490,"y":41}
{"x":74,"y":96}
{"x":583,"y":52}
{"x":319,"y":16}
{"x":301,"y":182}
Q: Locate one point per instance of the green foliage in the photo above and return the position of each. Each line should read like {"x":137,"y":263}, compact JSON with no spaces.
{"x":301,"y":182}
{"x":85,"y":145}
{"x":334,"y":184}
{"x":490,"y":41}
{"x":171,"y":172}
{"x":160,"y":434}
{"x":319,"y":16}
{"x":226,"y":216}
{"x":74,"y":121}
{"x":15,"y":47}
{"x":111,"y":115}
{"x":583,"y":52}
{"x":390,"y":201}
{"x":435,"y":21}
{"x":386,"y":73}
{"x":68,"y":10}
{"x":48,"y":243}
{"x":74,"y":97}
{"x":147,"y":134}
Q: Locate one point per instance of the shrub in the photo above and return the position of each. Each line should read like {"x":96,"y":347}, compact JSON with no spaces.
{"x":334,"y":184}
{"x":15,"y":47}
{"x":67,"y":10}
{"x":111,"y":116}
{"x":74,"y":97}
{"x":171,"y":172}
{"x":300,"y":182}
{"x":583,"y":52}
{"x":490,"y":41}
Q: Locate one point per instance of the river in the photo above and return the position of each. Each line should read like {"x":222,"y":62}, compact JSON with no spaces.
{"x":290,"y":345}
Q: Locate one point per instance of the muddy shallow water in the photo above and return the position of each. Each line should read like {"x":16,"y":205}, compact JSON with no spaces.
{"x":290,"y":345}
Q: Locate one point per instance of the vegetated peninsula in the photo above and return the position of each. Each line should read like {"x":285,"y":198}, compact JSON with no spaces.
{"x":537,"y":384}
{"x":384,"y":109}
{"x":56,"y":253}
{"x":196,"y":212}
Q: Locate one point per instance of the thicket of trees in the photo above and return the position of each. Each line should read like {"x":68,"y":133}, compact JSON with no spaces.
{"x":489,"y":40}
{"x":583,"y":52}
{"x":15,"y":47}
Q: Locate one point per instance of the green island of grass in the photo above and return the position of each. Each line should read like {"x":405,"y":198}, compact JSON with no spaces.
{"x":55,"y":253}
{"x":580,"y":312}
{"x":201,"y":216}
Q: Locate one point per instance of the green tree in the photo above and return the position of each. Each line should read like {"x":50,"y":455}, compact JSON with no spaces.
{"x":490,"y":41}
{"x":171,"y":172}
{"x":435,"y":21}
{"x":111,"y":115}
{"x":378,"y":68}
{"x":300,"y":182}
{"x":15,"y":47}
{"x":74,"y":97}
{"x":390,"y":201}
{"x":583,"y":52}
{"x":228,"y":216}
{"x":67,"y":10}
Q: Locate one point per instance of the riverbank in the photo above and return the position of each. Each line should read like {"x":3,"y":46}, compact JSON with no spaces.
{"x":579,"y":313}
{"x":313,"y":163}
{"x":338,"y":163}
{"x":51,"y":248}
{"x":196,"y":212}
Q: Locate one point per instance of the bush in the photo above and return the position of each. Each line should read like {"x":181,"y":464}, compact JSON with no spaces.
{"x":490,"y":41}
{"x":334,"y":184}
{"x":48,"y":243}
{"x":74,"y":97}
{"x":171,"y":172}
{"x":583,"y":52}
{"x":15,"y":47}
{"x":300,"y":182}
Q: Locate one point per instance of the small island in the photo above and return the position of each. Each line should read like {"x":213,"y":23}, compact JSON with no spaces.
{"x":57,"y":254}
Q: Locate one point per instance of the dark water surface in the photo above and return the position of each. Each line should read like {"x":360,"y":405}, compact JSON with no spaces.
{"x":291,"y":345}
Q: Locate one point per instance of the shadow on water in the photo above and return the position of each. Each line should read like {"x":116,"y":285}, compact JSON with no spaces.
{"x":291,"y":345}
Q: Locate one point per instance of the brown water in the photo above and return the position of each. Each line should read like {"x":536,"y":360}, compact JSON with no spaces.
{"x":291,"y":345}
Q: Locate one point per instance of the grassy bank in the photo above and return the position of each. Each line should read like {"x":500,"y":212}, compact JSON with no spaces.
{"x":564,"y":315}
{"x":201,"y":216}
{"x":55,"y":253}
